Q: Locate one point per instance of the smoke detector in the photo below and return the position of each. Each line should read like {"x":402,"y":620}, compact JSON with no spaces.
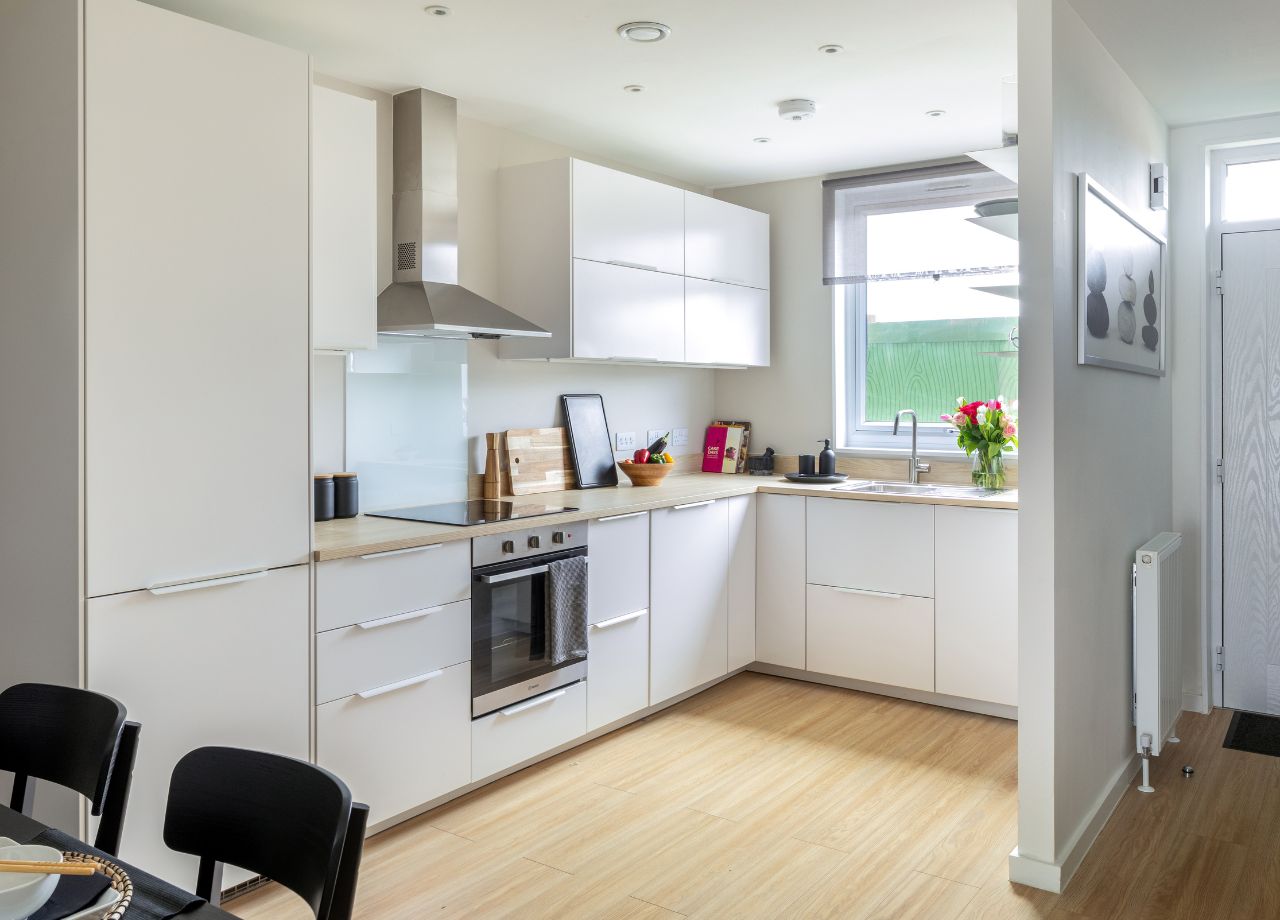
{"x":797,"y":109}
{"x":644,"y":32}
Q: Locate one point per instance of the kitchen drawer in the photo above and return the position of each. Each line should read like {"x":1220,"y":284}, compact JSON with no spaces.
{"x":400,"y":748}
{"x":881,"y":638}
{"x":873,"y":545}
{"x":382,"y":584}
{"x":617,"y":668}
{"x":619,"y":580}
{"x":380,"y":652}
{"x":525,"y":730}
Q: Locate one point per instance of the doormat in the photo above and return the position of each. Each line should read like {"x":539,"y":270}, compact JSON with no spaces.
{"x":1255,"y":733}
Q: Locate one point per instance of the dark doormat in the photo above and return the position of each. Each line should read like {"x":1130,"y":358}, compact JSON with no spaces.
{"x":1255,"y":733}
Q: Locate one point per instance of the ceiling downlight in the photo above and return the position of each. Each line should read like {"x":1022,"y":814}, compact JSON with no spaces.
{"x":437,"y":9}
{"x":831,"y":49}
{"x":645,"y":33}
{"x":633,"y":88}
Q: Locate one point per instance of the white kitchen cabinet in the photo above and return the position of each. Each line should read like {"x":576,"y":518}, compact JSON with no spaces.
{"x":195,"y":301}
{"x":725,"y":324}
{"x":375,"y":585}
{"x":617,"y":667}
{"x":525,"y":730}
{"x":222,"y":665}
{"x":627,"y":220}
{"x":688,"y":591}
{"x":627,"y":314}
{"x":881,"y":638}
{"x":344,"y":221}
{"x":780,"y":580}
{"x":977,"y":630}
{"x":870,"y":545}
{"x":399,"y":747}
{"x":619,"y":578}
{"x":725,"y":242}
{"x":742,"y":581}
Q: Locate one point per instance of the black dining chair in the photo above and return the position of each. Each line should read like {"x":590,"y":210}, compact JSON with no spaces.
{"x":75,"y":738}
{"x":286,"y":819}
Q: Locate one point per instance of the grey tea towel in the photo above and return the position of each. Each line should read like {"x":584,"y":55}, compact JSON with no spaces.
{"x":567,"y":609}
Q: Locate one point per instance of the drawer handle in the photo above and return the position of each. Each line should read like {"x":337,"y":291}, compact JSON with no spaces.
{"x":402,"y":552}
{"x":399,"y":685}
{"x":709,"y":501}
{"x":531,"y":704}
{"x":399,"y":618}
{"x":641,"y":265}
{"x":637,"y":359}
{"x":201,"y":583}
{"x":620,"y":517}
{"x":864,"y":593}
{"x":625,"y":618}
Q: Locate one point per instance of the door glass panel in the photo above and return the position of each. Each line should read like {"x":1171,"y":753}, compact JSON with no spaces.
{"x":1252,"y":191}
{"x":516,"y":628}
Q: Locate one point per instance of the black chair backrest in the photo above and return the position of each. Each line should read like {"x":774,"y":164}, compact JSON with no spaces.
{"x":273,"y":815}
{"x":75,"y":738}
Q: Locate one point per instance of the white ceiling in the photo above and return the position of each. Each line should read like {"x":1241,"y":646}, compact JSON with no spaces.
{"x":556,"y":69}
{"x":1195,"y":60}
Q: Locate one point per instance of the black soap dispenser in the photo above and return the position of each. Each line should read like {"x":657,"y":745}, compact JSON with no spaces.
{"x":827,"y":459}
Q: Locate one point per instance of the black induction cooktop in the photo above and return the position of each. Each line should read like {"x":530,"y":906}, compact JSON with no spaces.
{"x":468,"y":514}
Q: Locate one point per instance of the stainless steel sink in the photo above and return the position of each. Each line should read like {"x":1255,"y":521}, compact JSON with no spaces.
{"x":908,"y":488}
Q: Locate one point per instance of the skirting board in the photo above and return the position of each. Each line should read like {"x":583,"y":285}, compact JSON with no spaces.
{"x":1054,"y":877}
{"x":1194,"y":701}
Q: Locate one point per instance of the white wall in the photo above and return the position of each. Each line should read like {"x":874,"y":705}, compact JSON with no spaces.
{"x":1190,"y":367}
{"x":1096,"y":467}
{"x":519,"y":394}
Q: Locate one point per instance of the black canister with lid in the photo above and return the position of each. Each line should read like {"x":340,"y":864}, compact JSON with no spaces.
{"x":323,"y":497}
{"x":346,"y":495}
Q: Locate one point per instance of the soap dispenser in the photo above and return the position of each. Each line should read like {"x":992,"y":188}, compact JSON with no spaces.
{"x":827,"y":459}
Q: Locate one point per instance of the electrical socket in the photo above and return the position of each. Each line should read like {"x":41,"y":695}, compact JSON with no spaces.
{"x":626,"y":440}
{"x":654,"y":434}
{"x":680,"y":437}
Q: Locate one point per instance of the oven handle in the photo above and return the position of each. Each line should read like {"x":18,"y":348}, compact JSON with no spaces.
{"x":530,"y":704}
{"x":512,"y":576}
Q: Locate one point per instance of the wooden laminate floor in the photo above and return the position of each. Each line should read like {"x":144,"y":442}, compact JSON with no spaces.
{"x":770,"y":798}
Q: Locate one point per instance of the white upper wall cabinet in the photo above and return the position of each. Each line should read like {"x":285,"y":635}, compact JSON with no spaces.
{"x":196,"y":308}
{"x":725,"y":242}
{"x":625,"y":220}
{"x":598,"y":258}
{"x":344,"y":221}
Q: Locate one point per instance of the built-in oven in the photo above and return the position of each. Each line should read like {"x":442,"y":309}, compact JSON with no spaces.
{"x":528,"y":614}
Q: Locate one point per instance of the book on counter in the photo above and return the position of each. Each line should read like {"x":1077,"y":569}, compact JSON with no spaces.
{"x":725,"y":447}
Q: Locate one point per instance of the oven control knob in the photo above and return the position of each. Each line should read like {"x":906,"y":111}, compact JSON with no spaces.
{"x":508,"y":546}
{"x":558,"y":537}
{"x":535,"y":542}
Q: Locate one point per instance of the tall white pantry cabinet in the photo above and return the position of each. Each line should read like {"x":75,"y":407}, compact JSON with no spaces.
{"x":153,"y":376}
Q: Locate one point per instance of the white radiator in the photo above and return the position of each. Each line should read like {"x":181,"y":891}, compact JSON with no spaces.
{"x":1157,"y":641}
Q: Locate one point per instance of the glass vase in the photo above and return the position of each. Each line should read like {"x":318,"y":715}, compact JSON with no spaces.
{"x":988,"y":471}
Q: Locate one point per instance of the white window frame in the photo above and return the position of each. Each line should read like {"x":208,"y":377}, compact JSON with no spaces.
{"x":853,"y":433}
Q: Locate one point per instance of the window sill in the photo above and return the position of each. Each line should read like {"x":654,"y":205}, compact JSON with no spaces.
{"x":925,"y":453}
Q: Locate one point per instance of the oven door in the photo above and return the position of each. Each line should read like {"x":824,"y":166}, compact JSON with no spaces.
{"x":510,"y":660}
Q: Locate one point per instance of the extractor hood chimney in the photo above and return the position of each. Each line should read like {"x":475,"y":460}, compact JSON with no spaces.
{"x":424,"y":298}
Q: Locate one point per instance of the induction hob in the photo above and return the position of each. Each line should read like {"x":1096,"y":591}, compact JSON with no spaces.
{"x":468,"y":514}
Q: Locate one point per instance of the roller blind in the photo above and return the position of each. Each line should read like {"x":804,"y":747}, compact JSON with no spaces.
{"x":848,"y":201}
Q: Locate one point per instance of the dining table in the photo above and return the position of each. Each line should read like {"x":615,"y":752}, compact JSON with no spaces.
{"x":23,"y":829}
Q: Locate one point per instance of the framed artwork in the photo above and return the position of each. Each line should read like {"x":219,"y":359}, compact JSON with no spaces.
{"x":1121,"y":286}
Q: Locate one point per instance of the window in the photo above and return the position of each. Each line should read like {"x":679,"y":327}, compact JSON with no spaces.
{"x":926,"y":297}
{"x":1251,"y":190}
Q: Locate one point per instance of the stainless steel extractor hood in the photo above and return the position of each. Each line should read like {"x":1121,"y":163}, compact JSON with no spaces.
{"x":424,"y":297}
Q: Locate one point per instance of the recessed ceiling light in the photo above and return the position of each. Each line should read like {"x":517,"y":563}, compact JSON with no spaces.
{"x":797,"y":109}
{"x":935,"y":113}
{"x":633,"y":88}
{"x":761,"y":140}
{"x":831,"y":49}
{"x":644,"y":31}
{"x":437,"y":10}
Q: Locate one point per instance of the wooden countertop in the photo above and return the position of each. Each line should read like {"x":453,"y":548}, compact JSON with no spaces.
{"x":362,"y":535}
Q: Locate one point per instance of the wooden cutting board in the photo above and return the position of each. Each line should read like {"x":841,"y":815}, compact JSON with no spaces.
{"x":538,"y":460}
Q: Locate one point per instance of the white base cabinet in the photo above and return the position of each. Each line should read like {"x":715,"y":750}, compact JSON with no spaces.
{"x":617,"y":668}
{"x":780,"y":580}
{"x":872,"y":545}
{"x":525,"y":730}
{"x":880,"y":638}
{"x":619,"y":579}
{"x":742,"y":581}
{"x":398,"y":747}
{"x":365,"y":588}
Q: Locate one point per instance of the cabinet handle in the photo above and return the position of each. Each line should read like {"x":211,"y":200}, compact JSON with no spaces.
{"x":530,"y":704}
{"x":864,"y":593}
{"x":621,"y":517}
{"x":399,"y":685}
{"x":399,"y":618}
{"x":634,"y":358}
{"x":620,"y":263}
{"x":178,"y":587}
{"x":709,"y":501}
{"x":625,"y":618}
{"x":402,"y":552}
{"x":731,"y":281}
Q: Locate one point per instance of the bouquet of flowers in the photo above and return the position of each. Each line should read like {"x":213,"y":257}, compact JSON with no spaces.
{"x":985,"y":431}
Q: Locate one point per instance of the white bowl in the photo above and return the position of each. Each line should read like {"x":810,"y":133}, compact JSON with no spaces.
{"x":22,"y":894}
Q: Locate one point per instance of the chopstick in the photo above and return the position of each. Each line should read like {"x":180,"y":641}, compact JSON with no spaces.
{"x":46,"y":868}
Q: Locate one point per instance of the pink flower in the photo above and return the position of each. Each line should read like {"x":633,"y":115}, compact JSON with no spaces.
{"x":1010,"y":429}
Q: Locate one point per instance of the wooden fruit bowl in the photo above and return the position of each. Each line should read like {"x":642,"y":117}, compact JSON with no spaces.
{"x":646,"y":474}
